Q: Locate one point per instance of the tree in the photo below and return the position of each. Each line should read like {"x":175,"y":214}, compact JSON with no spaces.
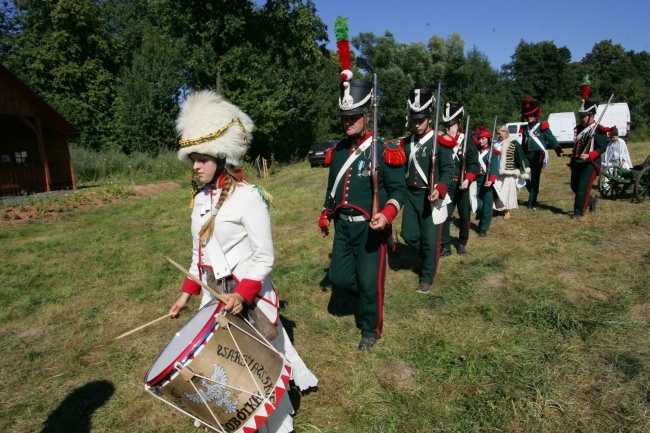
{"x":284,"y":78}
{"x":148,"y":99}
{"x":63,"y":54}
{"x":541,"y":71}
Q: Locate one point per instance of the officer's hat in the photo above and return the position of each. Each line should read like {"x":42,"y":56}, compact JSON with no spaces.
{"x":420,"y":102}
{"x":355,"y":97}
{"x":453,"y":113}
{"x":210,"y":125}
{"x":531,"y":108}
{"x":588,"y":106}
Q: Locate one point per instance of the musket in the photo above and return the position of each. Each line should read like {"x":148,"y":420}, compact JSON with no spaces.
{"x":434,"y":148}
{"x":374,"y":152}
{"x":588,"y":136}
{"x":489,"y":161}
{"x":463,"y":168}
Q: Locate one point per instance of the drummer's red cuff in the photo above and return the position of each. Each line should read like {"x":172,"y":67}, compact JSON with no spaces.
{"x":189,"y":286}
{"x":248,"y":289}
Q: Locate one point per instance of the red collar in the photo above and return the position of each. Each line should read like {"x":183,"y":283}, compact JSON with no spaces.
{"x":222,"y":178}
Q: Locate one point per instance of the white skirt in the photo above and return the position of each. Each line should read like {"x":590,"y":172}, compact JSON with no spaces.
{"x":506,"y":187}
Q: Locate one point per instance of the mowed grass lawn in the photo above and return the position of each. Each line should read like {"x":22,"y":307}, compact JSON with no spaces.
{"x":542,"y":327}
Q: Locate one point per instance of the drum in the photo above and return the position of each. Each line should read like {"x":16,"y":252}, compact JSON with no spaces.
{"x":219,"y":370}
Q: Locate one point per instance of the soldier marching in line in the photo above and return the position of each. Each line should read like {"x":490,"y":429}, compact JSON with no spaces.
{"x":485,"y":179}
{"x":359,"y":249}
{"x":418,"y":228}
{"x":537,"y":138}
{"x":590,"y":143}
{"x":458,"y":190}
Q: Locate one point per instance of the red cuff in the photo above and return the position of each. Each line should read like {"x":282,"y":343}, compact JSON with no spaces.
{"x":442,"y":189}
{"x":470,"y":176}
{"x":191,"y":287}
{"x":497,"y":152}
{"x":248,"y":289}
{"x":593,"y":155}
{"x":492,"y":178}
{"x":390,"y":212}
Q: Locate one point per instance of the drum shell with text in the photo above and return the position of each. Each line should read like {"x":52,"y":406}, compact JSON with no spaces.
{"x":219,"y":370}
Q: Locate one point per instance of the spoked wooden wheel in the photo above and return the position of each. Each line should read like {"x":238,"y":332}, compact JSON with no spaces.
{"x":606,"y":186}
{"x":642,"y":184}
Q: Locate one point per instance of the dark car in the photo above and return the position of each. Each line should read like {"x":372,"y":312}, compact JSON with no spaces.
{"x":317,"y":152}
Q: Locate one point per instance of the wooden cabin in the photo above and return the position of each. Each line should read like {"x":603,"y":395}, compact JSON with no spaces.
{"x":34,"y":151}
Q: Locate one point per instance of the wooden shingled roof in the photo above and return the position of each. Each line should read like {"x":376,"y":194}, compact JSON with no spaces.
{"x":17,"y":101}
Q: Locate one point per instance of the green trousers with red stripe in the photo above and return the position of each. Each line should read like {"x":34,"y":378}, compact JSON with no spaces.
{"x":359,"y":267}
{"x":485,"y":197}
{"x":582,"y":179}
{"x":459,"y":199}
{"x":419,"y":232}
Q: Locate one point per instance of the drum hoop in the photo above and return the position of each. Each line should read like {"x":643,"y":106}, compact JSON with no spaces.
{"x":189,"y":351}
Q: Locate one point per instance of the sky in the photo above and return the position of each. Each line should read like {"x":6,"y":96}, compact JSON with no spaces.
{"x":496,"y":27}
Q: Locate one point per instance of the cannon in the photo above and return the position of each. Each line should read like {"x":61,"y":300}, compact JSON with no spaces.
{"x":614,"y":181}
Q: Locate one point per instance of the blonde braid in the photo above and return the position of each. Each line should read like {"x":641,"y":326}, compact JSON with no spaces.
{"x":230,"y":183}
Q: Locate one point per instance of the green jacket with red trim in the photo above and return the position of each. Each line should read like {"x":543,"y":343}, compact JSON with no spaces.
{"x":354,"y":191}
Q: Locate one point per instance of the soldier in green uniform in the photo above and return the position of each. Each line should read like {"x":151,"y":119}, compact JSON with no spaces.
{"x":459,"y":188}
{"x":359,"y":249}
{"x":537,"y":138}
{"x":418,"y":228}
{"x":485,"y":179}
{"x":590,"y":142}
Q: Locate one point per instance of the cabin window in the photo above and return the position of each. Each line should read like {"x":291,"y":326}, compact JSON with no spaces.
{"x":21,"y":157}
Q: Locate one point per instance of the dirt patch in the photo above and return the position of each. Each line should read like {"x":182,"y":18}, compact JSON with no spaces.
{"x":154,"y":188}
{"x":400,"y":376}
{"x":53,"y":205}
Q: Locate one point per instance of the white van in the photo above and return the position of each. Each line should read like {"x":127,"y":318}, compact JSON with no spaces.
{"x":618,"y":114}
{"x":563,"y":127}
{"x":513,"y":129}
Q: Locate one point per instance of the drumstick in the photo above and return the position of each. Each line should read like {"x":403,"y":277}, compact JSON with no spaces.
{"x":196,"y":280}
{"x":144,"y":326}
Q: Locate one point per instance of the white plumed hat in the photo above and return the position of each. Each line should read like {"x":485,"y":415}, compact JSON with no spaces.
{"x":210,"y":125}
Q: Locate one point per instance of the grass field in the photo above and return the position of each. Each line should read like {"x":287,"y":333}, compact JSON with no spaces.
{"x":543,"y":327}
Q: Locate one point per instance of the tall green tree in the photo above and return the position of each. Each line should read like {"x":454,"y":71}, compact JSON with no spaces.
{"x":151,"y":79}
{"x":63,"y":54}
{"x":283,"y":77}
{"x":148,"y":99}
{"x":541,"y":71}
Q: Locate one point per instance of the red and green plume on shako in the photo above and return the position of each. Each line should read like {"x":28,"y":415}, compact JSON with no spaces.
{"x":343,"y":45}
{"x":586,"y":87}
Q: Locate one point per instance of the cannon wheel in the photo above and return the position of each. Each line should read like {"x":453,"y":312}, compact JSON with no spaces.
{"x":609,"y":189}
{"x":642,"y":185}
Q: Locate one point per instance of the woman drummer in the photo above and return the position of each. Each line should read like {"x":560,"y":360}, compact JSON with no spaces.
{"x":231,"y":229}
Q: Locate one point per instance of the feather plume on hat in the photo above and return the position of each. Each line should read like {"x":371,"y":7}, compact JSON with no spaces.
{"x":210,"y":125}
{"x":343,"y":46}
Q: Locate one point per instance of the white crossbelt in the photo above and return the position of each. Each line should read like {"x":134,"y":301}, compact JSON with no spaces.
{"x":349,"y":162}
{"x":223,"y":263}
{"x":413,"y":159}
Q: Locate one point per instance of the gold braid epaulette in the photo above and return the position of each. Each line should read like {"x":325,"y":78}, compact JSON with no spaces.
{"x":216,"y":134}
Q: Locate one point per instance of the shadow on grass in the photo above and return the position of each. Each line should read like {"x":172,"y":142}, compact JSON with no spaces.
{"x":404,"y":258}
{"x":342,"y":303}
{"x":75,"y":412}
